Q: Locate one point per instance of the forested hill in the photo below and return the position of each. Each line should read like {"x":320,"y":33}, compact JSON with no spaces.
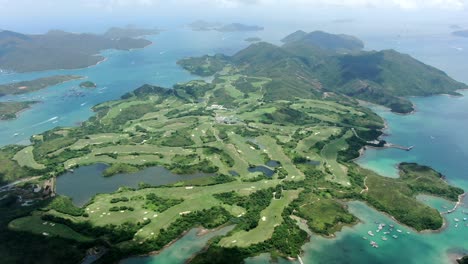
{"x":57,"y":50}
{"x":325,"y":41}
{"x":311,"y":64}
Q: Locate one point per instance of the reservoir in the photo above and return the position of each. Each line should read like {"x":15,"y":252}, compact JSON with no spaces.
{"x":87,"y":181}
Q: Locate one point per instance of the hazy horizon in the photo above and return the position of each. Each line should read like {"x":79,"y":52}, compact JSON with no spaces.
{"x":36,"y":17}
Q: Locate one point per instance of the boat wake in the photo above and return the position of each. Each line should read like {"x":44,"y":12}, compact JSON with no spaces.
{"x":45,"y":122}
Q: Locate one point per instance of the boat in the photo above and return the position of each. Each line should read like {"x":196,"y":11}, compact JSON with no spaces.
{"x":386,"y":233}
{"x":16,"y":134}
{"x":370,"y":233}
{"x":465,"y":219}
{"x":374,"y":244}
{"x":456,"y":220}
{"x":456,"y":225}
{"x":384,"y":238}
{"x":395,"y":236}
{"x":365,"y":238}
{"x":398,"y":230}
{"x":392,"y":226}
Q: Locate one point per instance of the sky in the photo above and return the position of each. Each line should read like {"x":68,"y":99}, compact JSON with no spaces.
{"x":36,"y":16}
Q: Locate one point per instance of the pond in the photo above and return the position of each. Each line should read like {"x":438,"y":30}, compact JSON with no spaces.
{"x":87,"y":181}
{"x":273,"y":163}
{"x":267,"y":171}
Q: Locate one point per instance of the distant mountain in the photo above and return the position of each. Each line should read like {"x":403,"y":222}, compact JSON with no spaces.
{"x":130,"y":32}
{"x":201,"y":25}
{"x":461,"y":33}
{"x":239,"y":27}
{"x":305,"y":67}
{"x":326,"y":41}
{"x":58,"y":50}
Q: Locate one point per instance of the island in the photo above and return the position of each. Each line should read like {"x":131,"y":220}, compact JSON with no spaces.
{"x":268,"y":144}
{"x":35,"y":85}
{"x":239,"y":27}
{"x":27,"y":53}
{"x":461,"y":33}
{"x":10,"y":110}
{"x":253,"y":39}
{"x":201,"y":25}
{"x":88,"y":84}
{"x":130,"y":31}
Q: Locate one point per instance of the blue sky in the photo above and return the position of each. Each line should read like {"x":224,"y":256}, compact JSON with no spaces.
{"x":36,"y":16}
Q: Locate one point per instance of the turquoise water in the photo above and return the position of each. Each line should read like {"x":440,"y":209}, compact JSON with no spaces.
{"x":437,"y":130}
{"x":87,"y":181}
{"x":181,"y":250}
{"x":122,"y":72}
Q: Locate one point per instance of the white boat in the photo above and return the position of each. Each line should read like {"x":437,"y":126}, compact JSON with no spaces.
{"x":398,"y":230}
{"x":370,"y":233}
{"x":456,"y":220}
{"x":384,"y":238}
{"x":395,"y":236}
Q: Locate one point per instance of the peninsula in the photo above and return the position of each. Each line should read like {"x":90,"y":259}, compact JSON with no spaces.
{"x":62,"y":50}
{"x":35,"y":85}
{"x":10,"y":110}
{"x":273,"y":137}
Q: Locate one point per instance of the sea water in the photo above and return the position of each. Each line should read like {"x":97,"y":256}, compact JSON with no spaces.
{"x":437,"y":130}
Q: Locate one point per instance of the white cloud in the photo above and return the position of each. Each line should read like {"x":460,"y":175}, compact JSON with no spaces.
{"x":402,"y":4}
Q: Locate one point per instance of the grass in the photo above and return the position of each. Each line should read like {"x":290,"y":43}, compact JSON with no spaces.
{"x":196,"y":198}
{"x":324,"y":215}
{"x":332,"y":166}
{"x":36,"y":225}
{"x":25,"y":158}
{"x":270,"y":218}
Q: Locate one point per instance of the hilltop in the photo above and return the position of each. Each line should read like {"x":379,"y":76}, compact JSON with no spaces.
{"x":315,"y":64}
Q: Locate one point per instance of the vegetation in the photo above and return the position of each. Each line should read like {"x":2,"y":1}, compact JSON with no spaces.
{"x":117,"y":168}
{"x":9,"y":110}
{"x":261,"y":106}
{"x":88,"y":84}
{"x":314,"y":60}
{"x":34,"y":85}
{"x":25,"y":53}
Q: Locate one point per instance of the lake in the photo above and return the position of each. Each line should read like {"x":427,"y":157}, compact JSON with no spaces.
{"x":85,"y":182}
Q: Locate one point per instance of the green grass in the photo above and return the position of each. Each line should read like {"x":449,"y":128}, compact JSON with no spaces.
{"x":330,"y":154}
{"x":36,"y":225}
{"x":25,"y":158}
{"x":270,"y":218}
{"x":9,"y":110}
{"x":324,"y":215}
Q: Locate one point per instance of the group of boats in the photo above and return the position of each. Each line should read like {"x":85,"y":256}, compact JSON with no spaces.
{"x":381,"y":229}
{"x":465,"y":219}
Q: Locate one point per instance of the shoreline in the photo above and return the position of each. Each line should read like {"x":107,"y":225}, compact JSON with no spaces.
{"x":104,"y":59}
{"x":201,"y":232}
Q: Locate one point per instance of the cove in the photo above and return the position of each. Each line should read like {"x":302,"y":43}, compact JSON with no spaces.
{"x":181,"y":250}
{"x":438,"y":131}
{"x":87,"y":181}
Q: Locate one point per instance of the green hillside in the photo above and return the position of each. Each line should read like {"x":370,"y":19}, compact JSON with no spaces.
{"x":313,"y":65}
